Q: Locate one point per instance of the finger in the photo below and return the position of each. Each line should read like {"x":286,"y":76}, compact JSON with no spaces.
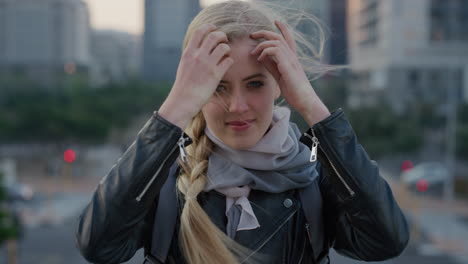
{"x":271,"y":66}
{"x":274,"y":52}
{"x":224,"y":66}
{"x":264,"y":45}
{"x":199,"y":35}
{"x":270,"y":35}
{"x":212,"y":40}
{"x":220,"y":51}
{"x":279,"y":58}
{"x":286,"y":34}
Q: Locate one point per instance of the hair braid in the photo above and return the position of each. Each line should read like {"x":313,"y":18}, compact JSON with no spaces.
{"x":201,"y":241}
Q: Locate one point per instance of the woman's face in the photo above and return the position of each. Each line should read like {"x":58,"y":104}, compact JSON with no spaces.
{"x":241,"y":110}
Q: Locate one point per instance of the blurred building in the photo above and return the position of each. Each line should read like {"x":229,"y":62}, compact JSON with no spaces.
{"x":332,"y":15}
{"x":116,"y":56}
{"x":338,"y":40}
{"x":165,"y":26}
{"x":44,"y":39}
{"x":319,"y":9}
{"x":405,"y":51}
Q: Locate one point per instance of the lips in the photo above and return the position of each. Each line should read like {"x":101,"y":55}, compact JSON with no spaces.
{"x":240,"y":123}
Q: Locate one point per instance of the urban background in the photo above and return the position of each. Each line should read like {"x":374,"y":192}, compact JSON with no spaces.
{"x":74,"y":92}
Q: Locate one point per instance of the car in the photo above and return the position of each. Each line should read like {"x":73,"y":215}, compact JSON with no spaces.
{"x":435,"y":174}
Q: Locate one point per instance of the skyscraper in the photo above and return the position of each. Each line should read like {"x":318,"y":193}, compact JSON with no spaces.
{"x":116,"y":56}
{"x":408,"y":50}
{"x":338,"y":46}
{"x":165,"y":26}
{"x":332,"y":14}
{"x":44,"y":39}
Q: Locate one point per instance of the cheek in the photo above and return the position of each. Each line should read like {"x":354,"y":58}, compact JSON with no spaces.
{"x":213,"y":114}
{"x":264,"y":103}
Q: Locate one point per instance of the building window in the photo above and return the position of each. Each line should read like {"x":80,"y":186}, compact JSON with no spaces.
{"x":449,"y":20}
{"x":458,"y":82}
{"x":369,"y":23}
{"x":414,"y":83}
{"x":3,"y":30}
{"x":435,"y":92}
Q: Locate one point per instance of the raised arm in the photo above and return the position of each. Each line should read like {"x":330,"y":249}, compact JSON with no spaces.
{"x":369,"y":224}
{"x":113,"y":226}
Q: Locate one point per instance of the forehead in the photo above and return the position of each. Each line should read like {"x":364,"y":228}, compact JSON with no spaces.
{"x":245,"y":64}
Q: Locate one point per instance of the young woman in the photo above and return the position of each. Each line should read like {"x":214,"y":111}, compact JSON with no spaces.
{"x":250,"y":187}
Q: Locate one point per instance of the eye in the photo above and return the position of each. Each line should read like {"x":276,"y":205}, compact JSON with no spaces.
{"x":255,"y":84}
{"x":220,"y":88}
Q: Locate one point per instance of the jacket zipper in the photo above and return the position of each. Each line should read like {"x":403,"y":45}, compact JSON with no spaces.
{"x":180,"y":145}
{"x":302,"y":253}
{"x":307,"y":229}
{"x":304,"y":245}
{"x":268,"y":239}
{"x":315,"y":145}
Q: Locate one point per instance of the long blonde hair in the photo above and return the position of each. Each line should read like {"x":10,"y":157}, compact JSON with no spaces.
{"x":200,"y":240}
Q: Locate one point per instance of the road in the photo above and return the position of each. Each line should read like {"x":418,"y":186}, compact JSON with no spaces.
{"x":49,"y":239}
{"x":55,"y":245}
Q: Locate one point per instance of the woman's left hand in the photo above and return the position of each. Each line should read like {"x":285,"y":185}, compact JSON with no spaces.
{"x":278,"y":55}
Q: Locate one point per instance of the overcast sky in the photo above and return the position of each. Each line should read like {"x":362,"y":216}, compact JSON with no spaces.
{"x":123,"y":15}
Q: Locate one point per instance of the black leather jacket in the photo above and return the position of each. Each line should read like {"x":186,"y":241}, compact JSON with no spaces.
{"x":360,"y":216}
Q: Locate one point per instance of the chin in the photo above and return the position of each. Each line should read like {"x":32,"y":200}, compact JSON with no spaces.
{"x":241,"y":145}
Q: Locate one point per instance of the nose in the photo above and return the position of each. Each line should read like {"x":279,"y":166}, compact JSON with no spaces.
{"x":238,"y":103}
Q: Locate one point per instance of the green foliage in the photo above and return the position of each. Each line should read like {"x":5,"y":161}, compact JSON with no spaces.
{"x":77,"y":112}
{"x":9,"y":228}
{"x":463,"y":113}
{"x":332,"y":90}
{"x":462,"y":132}
{"x":461,"y":186}
{"x":462,"y":141}
{"x":428,"y":115}
{"x":381,"y":131}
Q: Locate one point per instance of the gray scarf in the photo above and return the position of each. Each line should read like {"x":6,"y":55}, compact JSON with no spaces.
{"x":278,"y":162}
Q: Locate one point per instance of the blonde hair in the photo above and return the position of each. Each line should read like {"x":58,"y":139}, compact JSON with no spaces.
{"x":200,"y":240}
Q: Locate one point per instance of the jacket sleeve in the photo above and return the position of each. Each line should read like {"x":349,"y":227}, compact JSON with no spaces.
{"x":113,"y":226}
{"x":368,"y":223}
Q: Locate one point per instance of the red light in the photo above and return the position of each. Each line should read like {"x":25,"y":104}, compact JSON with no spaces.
{"x":69,"y":155}
{"x":70,"y":68}
{"x":407,"y":165}
{"x":422,"y":185}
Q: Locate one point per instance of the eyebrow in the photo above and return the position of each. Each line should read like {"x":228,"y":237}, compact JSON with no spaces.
{"x":248,"y":77}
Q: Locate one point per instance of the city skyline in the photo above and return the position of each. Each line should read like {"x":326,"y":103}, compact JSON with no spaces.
{"x":121,"y":15}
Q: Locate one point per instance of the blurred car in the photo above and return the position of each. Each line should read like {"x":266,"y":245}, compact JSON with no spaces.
{"x":434,"y":173}
{"x":19,"y":192}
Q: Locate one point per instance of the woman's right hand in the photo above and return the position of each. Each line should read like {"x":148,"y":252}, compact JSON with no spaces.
{"x":203,"y":64}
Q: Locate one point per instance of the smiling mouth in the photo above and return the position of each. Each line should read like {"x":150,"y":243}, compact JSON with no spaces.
{"x":240,"y":126}
{"x":240,"y":123}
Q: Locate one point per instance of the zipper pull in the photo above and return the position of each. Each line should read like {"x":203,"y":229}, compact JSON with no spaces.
{"x":181,"y":144}
{"x":313,"y":153}
{"x":315,"y":143}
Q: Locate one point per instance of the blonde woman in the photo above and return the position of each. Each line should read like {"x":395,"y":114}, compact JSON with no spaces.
{"x":248,"y":186}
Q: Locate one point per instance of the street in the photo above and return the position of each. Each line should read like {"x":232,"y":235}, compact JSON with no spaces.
{"x":51,"y":221}
{"x":52,"y":245}
{"x":55,"y":245}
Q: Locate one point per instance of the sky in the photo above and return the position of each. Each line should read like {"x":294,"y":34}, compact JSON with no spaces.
{"x":123,"y":15}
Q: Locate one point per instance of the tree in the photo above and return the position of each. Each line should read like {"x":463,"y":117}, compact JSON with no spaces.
{"x":9,"y":228}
